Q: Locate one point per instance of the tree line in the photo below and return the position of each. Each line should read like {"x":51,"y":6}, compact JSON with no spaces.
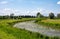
{"x":51,"y":15}
{"x":38,"y":15}
{"x":16,"y":17}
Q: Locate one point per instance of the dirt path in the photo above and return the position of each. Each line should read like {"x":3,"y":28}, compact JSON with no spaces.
{"x":31,"y":26}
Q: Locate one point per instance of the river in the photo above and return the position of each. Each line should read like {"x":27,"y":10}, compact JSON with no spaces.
{"x":31,"y":26}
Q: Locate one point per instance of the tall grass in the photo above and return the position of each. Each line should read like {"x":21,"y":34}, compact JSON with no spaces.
{"x":7,"y":31}
{"x":53,"y":23}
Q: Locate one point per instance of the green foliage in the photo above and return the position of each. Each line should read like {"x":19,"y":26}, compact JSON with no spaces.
{"x":39,"y":15}
{"x":51,"y":15}
{"x":58,"y":15}
{"x":46,"y":37}
{"x":19,"y":17}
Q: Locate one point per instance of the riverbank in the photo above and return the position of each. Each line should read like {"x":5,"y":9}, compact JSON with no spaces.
{"x":7,"y":31}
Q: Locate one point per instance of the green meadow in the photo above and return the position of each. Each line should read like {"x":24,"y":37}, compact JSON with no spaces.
{"x":53,"y":23}
{"x":7,"y":31}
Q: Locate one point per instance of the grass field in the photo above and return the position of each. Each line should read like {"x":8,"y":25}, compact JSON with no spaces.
{"x":8,"y":32}
{"x":53,"y":23}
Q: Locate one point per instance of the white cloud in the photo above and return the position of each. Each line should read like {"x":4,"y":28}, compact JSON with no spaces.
{"x":8,"y":11}
{"x":4,"y":2}
{"x":58,"y":2}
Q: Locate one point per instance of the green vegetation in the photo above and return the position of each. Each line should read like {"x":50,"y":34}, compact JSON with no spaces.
{"x":51,"y":15}
{"x":7,"y":31}
{"x":39,"y":15}
{"x":53,"y":23}
{"x":58,"y":15}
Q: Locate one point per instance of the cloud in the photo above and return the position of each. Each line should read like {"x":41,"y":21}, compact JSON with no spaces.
{"x":4,"y":2}
{"x":58,"y":2}
{"x":8,"y":11}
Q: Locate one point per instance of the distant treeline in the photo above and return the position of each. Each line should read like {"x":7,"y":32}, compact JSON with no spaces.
{"x":16,"y":17}
{"x":51,"y":15}
{"x":27,"y":16}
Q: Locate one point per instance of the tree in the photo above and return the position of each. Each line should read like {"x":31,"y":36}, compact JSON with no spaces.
{"x":58,"y":15}
{"x":39,"y":15}
{"x":51,"y":15}
{"x":6,"y":17}
{"x":19,"y":17}
{"x":12,"y":15}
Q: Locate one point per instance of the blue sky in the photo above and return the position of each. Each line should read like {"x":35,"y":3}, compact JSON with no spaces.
{"x":29,"y":7}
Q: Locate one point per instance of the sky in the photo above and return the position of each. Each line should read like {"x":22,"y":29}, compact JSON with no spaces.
{"x":29,"y":7}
